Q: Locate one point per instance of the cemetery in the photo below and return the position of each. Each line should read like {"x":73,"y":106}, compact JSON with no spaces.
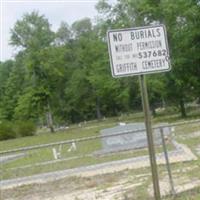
{"x":99,"y":100}
{"x":115,"y":158}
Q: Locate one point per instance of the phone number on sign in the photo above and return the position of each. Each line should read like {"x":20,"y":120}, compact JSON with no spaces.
{"x":148,"y":54}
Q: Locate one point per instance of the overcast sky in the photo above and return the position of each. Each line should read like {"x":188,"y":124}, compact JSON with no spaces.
{"x":54,"y":11}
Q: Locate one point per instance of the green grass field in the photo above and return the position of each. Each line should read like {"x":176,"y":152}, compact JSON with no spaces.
{"x":83,"y":156}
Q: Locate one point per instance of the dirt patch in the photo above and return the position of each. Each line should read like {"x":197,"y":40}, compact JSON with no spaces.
{"x":181,"y":183}
{"x":102,"y":187}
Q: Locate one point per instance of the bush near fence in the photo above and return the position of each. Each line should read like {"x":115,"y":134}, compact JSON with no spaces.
{"x":10,"y":130}
{"x":6,"y":130}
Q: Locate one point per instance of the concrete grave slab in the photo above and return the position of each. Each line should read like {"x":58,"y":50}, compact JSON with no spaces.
{"x":129,"y":138}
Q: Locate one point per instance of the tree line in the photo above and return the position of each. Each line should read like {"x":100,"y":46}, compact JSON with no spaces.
{"x":64,"y":76}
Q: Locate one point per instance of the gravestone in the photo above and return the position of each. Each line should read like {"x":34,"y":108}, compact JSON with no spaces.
{"x":132,"y":136}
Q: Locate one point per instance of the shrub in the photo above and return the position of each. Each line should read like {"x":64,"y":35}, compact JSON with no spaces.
{"x":10,"y":130}
{"x":7,"y":130}
{"x":24,"y":128}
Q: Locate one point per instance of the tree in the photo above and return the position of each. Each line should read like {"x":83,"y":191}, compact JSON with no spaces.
{"x":5,"y":69}
{"x":13,"y":88}
{"x":63,"y":35}
{"x":81,"y":27}
{"x":181,"y":20}
{"x":32,"y":32}
{"x":33,"y":35}
{"x":182,"y":25}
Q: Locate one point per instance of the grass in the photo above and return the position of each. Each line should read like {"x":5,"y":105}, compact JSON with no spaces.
{"x":82,"y":157}
{"x":86,"y":130}
{"x":48,"y":138}
{"x":103,"y":182}
{"x":87,"y":148}
{"x":189,"y":195}
{"x":91,"y":128}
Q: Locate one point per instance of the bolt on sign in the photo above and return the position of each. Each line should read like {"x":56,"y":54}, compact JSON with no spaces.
{"x":137,"y":51}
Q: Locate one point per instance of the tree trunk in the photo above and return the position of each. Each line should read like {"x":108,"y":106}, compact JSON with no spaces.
{"x":182,"y":108}
{"x":153,"y":109}
{"x":98,"y":111}
{"x":49,"y":118}
{"x":163,"y":103}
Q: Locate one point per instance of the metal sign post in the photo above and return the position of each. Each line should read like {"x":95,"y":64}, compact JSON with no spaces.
{"x":173,"y":191}
{"x":139,"y":51}
{"x":145,"y":104}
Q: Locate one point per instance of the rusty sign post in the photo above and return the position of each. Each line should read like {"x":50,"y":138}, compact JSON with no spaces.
{"x":152,"y":155}
{"x":140,"y":51}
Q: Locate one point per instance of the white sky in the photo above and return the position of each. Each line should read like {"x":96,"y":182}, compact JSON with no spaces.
{"x":54,"y":10}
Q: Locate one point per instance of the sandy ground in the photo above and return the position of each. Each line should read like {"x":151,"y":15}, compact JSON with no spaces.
{"x":116,"y":186}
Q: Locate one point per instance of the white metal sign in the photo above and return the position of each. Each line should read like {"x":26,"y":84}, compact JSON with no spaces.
{"x":141,"y":50}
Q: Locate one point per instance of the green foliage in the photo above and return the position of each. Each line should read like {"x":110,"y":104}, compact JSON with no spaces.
{"x":10,"y":130}
{"x":5,"y":69}
{"x":182,"y":21}
{"x":13,"y":87}
{"x":32,"y":31}
{"x":27,"y":106}
{"x":7,"y":130}
{"x":63,"y":34}
{"x":24,"y":128}
{"x":81,"y":27}
{"x":64,"y":76}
